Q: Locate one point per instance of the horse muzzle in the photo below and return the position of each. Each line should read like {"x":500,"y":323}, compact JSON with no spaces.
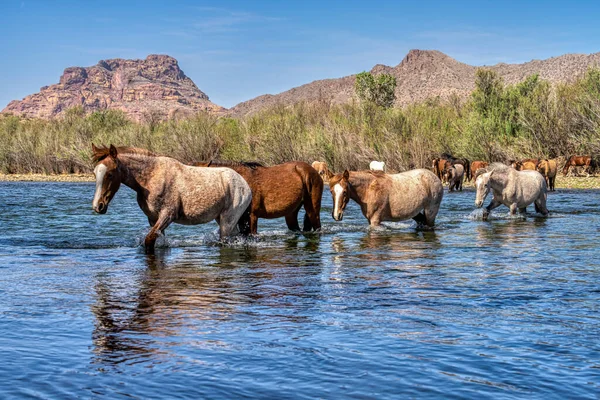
{"x":338,"y":217}
{"x":100,"y":208}
{"x":478,"y":203}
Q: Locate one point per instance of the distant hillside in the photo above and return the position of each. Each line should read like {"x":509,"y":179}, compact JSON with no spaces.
{"x":155,"y":85}
{"x":424,"y":74}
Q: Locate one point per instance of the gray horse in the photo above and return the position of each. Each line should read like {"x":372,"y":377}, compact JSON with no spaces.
{"x":514,"y":189}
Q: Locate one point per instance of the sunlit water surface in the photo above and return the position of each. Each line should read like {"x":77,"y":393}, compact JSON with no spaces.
{"x":505,"y":308}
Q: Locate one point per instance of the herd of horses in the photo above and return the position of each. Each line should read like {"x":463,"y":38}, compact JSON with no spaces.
{"x":237,"y":194}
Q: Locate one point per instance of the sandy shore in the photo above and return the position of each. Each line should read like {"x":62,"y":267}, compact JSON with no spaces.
{"x":571,"y":182}
{"x":46,"y":178}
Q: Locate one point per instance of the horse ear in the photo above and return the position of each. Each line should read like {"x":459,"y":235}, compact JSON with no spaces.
{"x":346,"y":175}
{"x":112,"y":151}
{"x":94,"y":148}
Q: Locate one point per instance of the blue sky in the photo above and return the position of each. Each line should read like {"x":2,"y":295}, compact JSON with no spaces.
{"x":237,"y":50}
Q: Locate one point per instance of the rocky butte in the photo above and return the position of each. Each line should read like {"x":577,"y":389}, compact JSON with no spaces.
{"x":154,"y":87}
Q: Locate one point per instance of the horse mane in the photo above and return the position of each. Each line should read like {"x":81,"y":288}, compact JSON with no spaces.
{"x":224,"y":163}
{"x":497,"y":166}
{"x":100,"y":153}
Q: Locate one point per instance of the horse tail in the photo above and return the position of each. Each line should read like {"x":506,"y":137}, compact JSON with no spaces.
{"x":468,"y":170}
{"x":566,"y":167}
{"x":313,"y":193}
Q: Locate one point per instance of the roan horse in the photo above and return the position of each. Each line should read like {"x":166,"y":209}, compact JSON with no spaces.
{"x":323,"y":170}
{"x":577,"y":161}
{"x":279,"y":191}
{"x":455,"y":175}
{"x":514,"y":189}
{"x":415,"y":194}
{"x":169,"y":191}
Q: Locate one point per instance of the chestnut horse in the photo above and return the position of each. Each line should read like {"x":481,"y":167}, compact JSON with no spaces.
{"x":415,"y":194}
{"x":548,"y":170}
{"x":169,"y":191}
{"x":323,"y":170}
{"x":527,"y":164}
{"x":475,"y":165}
{"x":577,"y":161}
{"x":279,"y":191}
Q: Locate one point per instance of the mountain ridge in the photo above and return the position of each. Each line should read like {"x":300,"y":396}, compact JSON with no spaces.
{"x":424,"y":74}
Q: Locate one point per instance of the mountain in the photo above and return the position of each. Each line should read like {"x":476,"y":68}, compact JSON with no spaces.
{"x":155,"y":86}
{"x":425,"y":74}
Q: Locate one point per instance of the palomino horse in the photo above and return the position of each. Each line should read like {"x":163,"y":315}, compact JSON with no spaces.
{"x":415,"y":194}
{"x":527,"y":164}
{"x":279,"y":191}
{"x":548,"y":169}
{"x":169,"y":191}
{"x":377,"y":166}
{"x":577,"y":161}
{"x":514,"y":189}
{"x":475,"y":165}
{"x":455,"y":176}
{"x":323,"y":170}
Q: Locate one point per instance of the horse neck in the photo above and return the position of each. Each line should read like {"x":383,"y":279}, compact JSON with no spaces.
{"x":498,"y":181}
{"x":359,"y":184}
{"x":136,"y":170}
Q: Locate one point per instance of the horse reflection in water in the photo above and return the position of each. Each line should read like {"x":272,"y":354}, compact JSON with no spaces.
{"x":170,"y":296}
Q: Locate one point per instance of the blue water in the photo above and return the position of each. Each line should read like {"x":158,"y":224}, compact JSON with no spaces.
{"x":500,"y":309}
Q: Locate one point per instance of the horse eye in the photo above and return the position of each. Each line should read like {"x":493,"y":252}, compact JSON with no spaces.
{"x":109,"y":175}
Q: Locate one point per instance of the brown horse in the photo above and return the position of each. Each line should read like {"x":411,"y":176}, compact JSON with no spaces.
{"x":439,"y":165}
{"x":279,"y":191}
{"x":415,"y":194}
{"x":323,"y":170}
{"x":450,"y":160}
{"x":548,"y":169}
{"x":475,"y":165}
{"x":577,"y":161}
{"x":169,"y":191}
{"x":527,"y":164}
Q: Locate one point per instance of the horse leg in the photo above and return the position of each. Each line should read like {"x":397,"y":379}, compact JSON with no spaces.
{"x":540,"y":205}
{"x":513,"y":208}
{"x":161,"y":224}
{"x":253,"y":224}
{"x":420,"y":219}
{"x":312,"y":207}
{"x":522,"y":210}
{"x":292,"y":219}
{"x":375,"y":221}
{"x":493,"y":204}
{"x":244,"y":223}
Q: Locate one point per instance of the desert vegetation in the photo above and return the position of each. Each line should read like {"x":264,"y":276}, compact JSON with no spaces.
{"x":497,"y":122}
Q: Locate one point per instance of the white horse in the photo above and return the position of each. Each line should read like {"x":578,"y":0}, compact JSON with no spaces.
{"x":514,"y":189}
{"x":377,"y":166}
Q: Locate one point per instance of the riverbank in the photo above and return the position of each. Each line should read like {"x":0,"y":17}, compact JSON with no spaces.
{"x":46,"y":178}
{"x":571,"y":182}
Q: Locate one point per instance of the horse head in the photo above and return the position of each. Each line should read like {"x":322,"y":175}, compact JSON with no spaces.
{"x":108,"y":177}
{"x":339,"y":185}
{"x":482,"y":184}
